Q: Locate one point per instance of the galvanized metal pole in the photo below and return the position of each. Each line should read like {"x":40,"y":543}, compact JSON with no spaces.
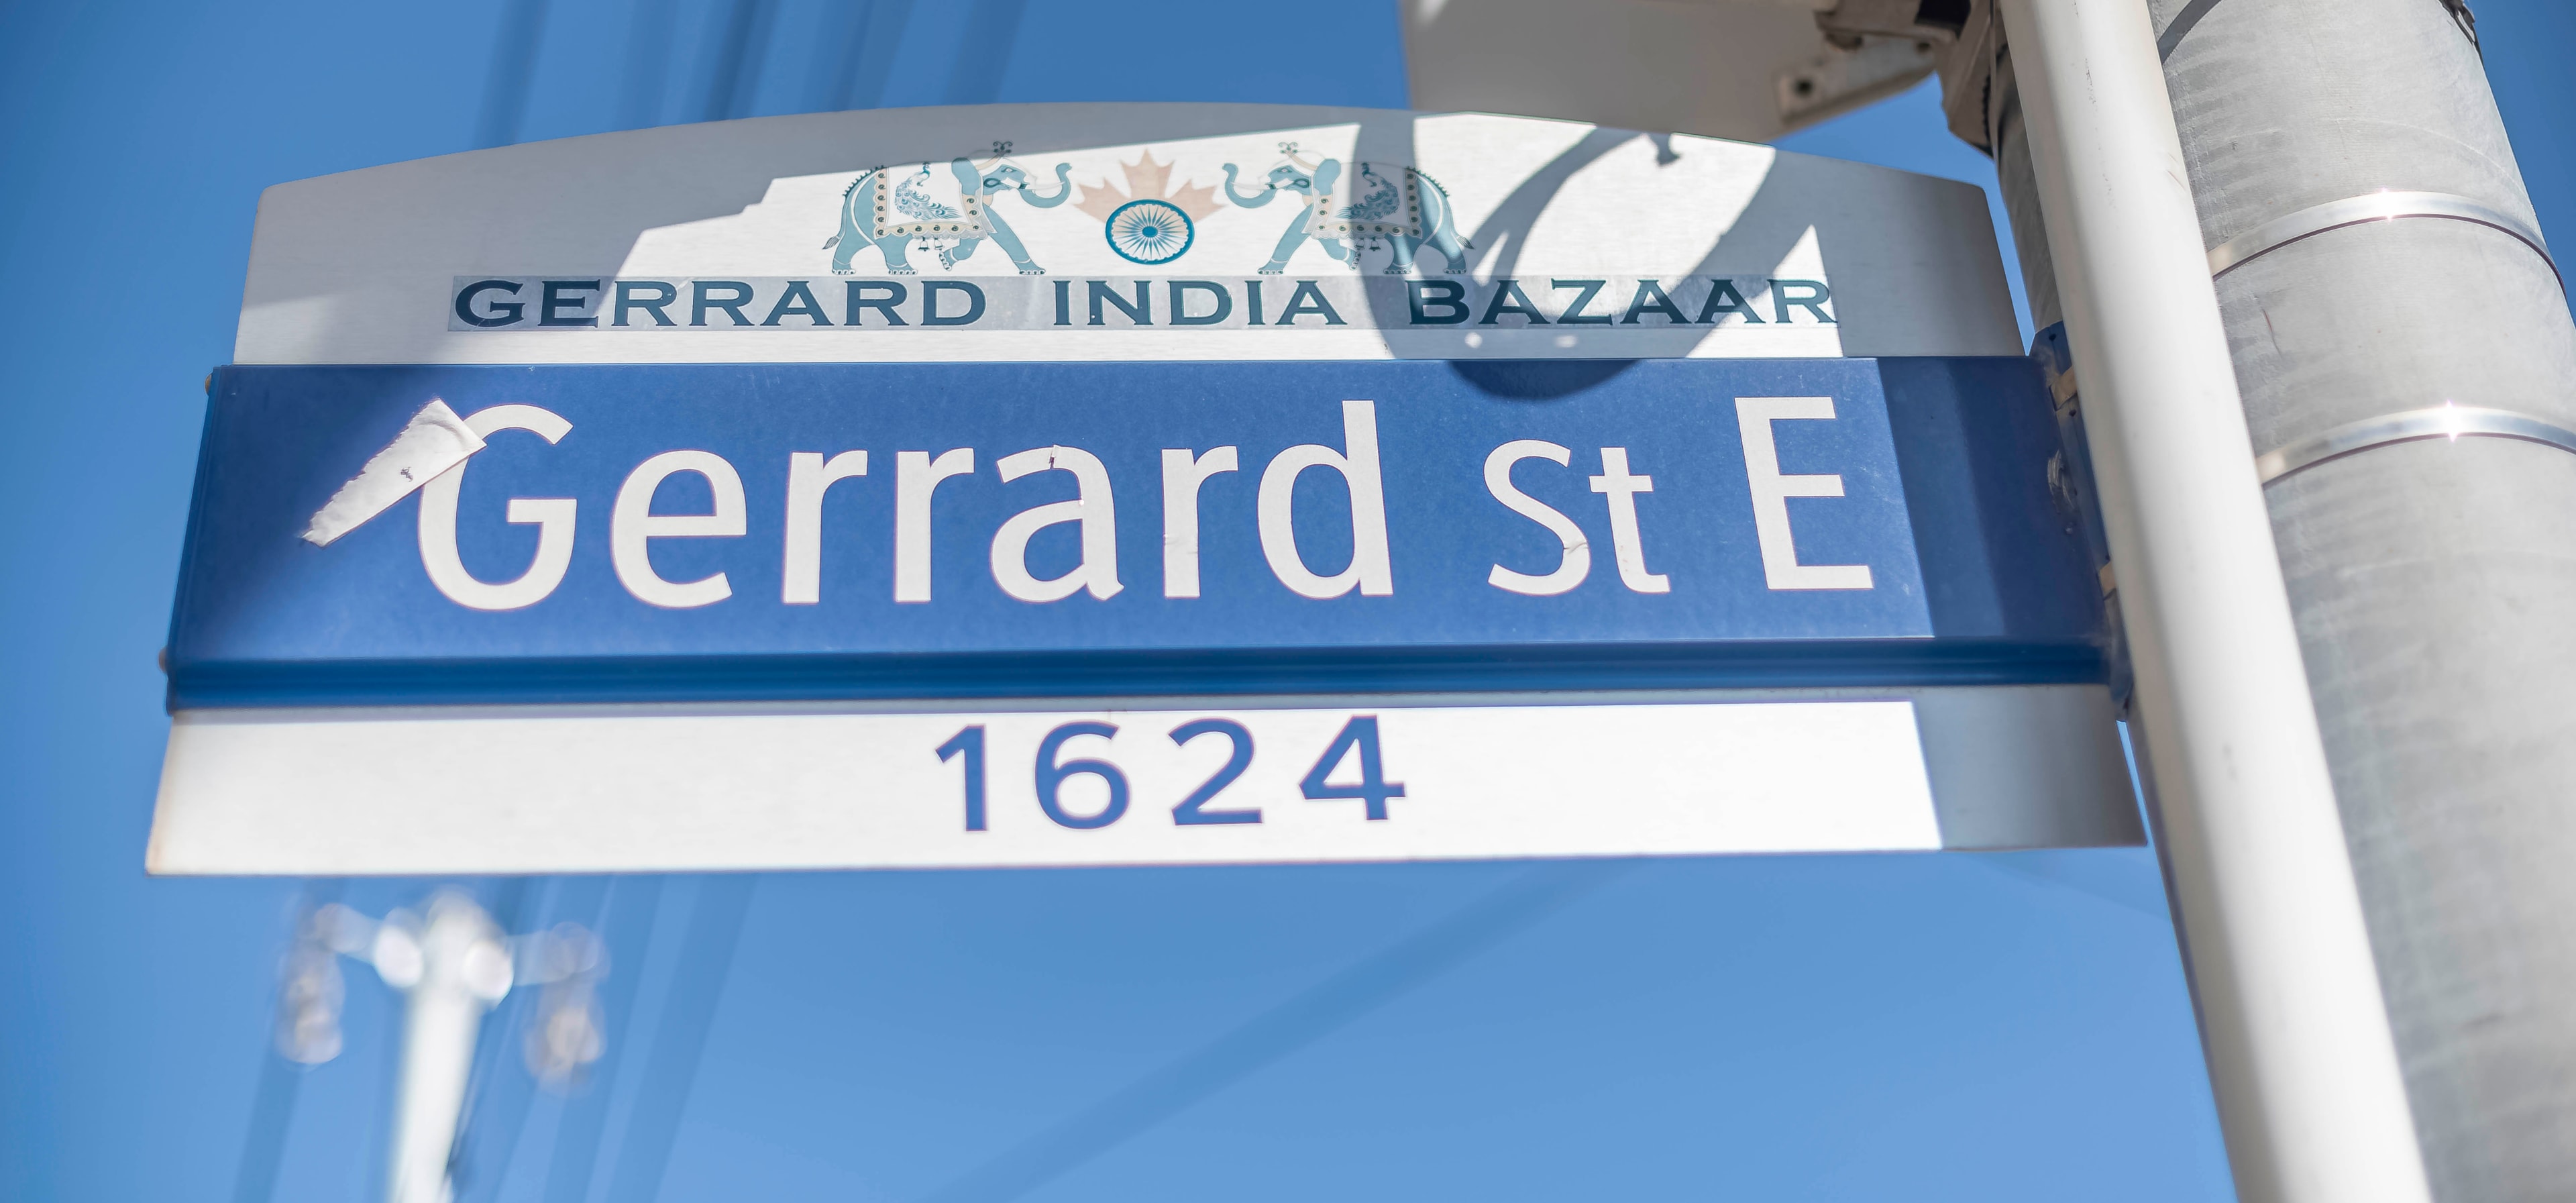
{"x":2300,"y":1055}
{"x":2408,"y":367}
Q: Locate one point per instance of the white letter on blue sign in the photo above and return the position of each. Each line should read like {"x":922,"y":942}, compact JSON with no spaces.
{"x":633,"y":525}
{"x":1183,"y":473}
{"x":808,"y":478}
{"x":1369,"y":567}
{"x":1093,"y":508}
{"x":916,"y":477}
{"x":551,"y":515}
{"x":1629,"y":546}
{"x":1772,"y":491}
{"x":1575,"y":562}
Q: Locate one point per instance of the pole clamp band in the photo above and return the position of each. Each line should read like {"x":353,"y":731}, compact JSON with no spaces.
{"x":2377,"y":206}
{"x":2437,"y":422}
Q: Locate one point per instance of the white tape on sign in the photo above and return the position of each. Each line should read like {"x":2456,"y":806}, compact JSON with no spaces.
{"x":316,"y":792}
{"x":434,"y":441}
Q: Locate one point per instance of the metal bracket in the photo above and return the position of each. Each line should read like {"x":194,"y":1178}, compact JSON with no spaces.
{"x":2436,"y":422}
{"x":2377,"y":206}
{"x":2072,"y":491}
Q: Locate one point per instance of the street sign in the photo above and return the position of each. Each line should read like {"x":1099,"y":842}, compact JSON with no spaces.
{"x":815,"y":531}
{"x":1592,"y":515}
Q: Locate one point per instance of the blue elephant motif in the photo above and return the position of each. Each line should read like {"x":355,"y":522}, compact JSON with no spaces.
{"x":1385,"y":202}
{"x":894,"y":213}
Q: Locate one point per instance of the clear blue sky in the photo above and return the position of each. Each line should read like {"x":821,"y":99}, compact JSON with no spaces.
{"x":1990,"y":1028}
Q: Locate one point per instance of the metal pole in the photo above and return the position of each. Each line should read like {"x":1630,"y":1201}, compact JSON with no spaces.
{"x":2390,"y":303}
{"x":514,"y":68}
{"x":2300,"y":1055}
{"x":457,"y":966}
{"x":452,"y":967}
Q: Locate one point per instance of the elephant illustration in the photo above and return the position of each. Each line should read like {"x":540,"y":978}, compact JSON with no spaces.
{"x":894,"y":211}
{"x":1385,"y":202}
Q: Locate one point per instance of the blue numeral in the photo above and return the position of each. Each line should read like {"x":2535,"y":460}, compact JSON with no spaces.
{"x":1373,"y":785}
{"x":1191,"y":811}
{"x":971,"y":742}
{"x":1051,"y":775}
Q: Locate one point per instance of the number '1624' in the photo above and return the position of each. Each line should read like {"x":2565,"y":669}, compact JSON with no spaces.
{"x":1052,"y":771}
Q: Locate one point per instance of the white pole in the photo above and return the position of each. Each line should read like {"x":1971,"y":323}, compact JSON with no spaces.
{"x":451,"y":969}
{"x":2300,"y":1054}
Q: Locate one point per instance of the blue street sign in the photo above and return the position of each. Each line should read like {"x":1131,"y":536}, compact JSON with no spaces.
{"x":819,"y":531}
{"x":1665,"y":497}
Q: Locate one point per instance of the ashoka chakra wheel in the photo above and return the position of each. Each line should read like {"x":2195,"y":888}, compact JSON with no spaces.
{"x":1150,"y":231}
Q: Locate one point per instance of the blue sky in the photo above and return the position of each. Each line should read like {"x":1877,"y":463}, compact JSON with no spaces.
{"x":1921,"y":1027}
